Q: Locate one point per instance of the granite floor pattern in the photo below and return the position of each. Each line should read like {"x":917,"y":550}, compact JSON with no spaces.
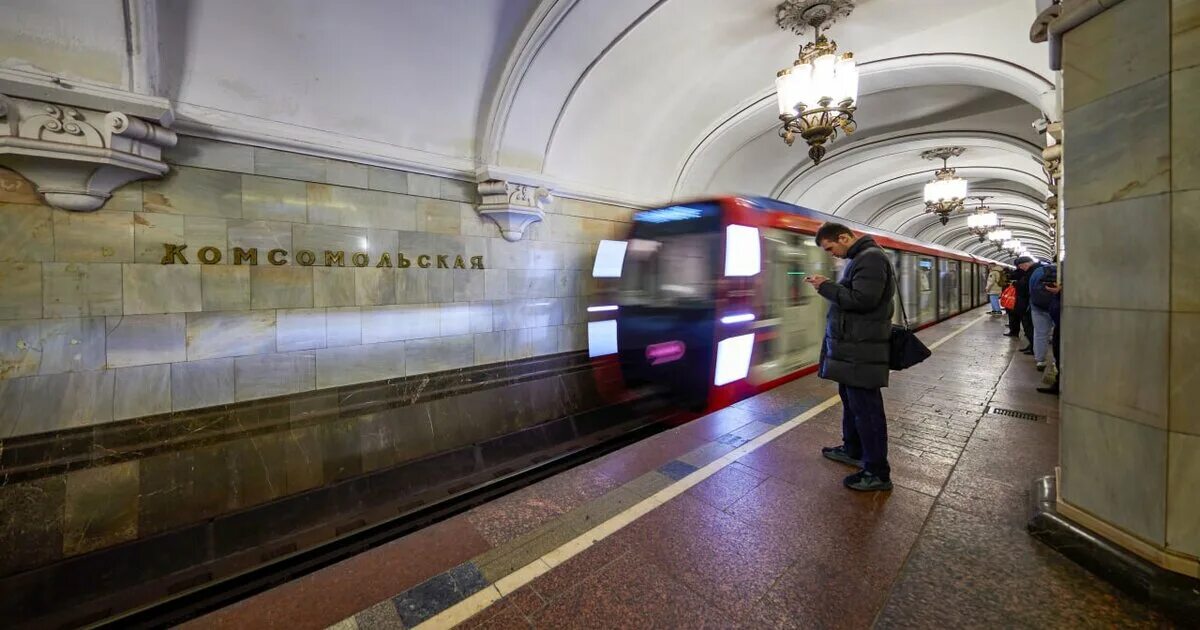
{"x":772,"y":540}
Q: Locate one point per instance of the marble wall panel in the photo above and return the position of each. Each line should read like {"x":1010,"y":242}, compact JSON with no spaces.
{"x":153,"y":288}
{"x":142,"y":391}
{"x":572,"y":338}
{"x":20,"y":347}
{"x":343,"y":327}
{"x":438,"y":216}
{"x":422,"y":356}
{"x":17,"y":189}
{"x":455,"y":319}
{"x":373,"y":287}
{"x":38,"y":404}
{"x":225,"y":287}
{"x":396,"y":323}
{"x":266,"y":375}
{"x":32,"y":513}
{"x":481,"y":317}
{"x":569,"y":283}
{"x":528,"y":313}
{"x":458,"y":190}
{"x":495,"y":282}
{"x":101,"y":508}
{"x":359,"y":364}
{"x":1185,"y":33}
{"x":412,"y":287}
{"x":1185,"y":373}
{"x":474,"y":225}
{"x":1183,"y":511}
{"x":198,"y":384}
{"x":26,"y":233}
{"x":1125,"y":375}
{"x":1185,"y":119}
{"x":271,"y":199}
{"x":262,"y":235}
{"x":72,"y":345}
{"x":1114,"y":51}
{"x":211,"y":154}
{"x":524,"y":343}
{"x":387,"y":180}
{"x":1113,"y":468}
{"x":93,"y":236}
{"x":152,"y":229}
{"x":532,"y":283}
{"x":1185,"y":259}
{"x":354,"y":207}
{"x":424,"y":185}
{"x":81,"y":289}
{"x":380,"y":241}
{"x":288,"y":165}
{"x":1120,"y":146}
{"x":441,"y":285}
{"x":146,"y":339}
{"x":299,"y":329}
{"x":489,"y":348}
{"x":229,"y":334}
{"x":341,"y":173}
{"x":195,"y":191}
{"x":281,"y":287}
{"x":333,"y":286}
{"x":319,"y":238}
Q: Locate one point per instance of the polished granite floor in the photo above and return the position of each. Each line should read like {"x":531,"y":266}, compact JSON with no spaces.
{"x":772,"y":539}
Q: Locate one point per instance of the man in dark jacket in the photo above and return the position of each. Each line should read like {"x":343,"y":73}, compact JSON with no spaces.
{"x":1025,"y":316}
{"x":855,"y":351}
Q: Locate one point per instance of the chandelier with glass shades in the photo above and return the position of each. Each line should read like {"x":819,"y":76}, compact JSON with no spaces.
{"x":947,"y":192}
{"x":983,"y":220}
{"x":818,"y":95}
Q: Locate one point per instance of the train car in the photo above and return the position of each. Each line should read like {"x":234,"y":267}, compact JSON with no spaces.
{"x":706,"y":302}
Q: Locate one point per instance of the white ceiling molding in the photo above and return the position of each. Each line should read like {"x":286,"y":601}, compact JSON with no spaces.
{"x":40,"y":86}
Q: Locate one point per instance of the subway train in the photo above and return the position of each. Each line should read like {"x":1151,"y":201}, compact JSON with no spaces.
{"x":705,"y":301}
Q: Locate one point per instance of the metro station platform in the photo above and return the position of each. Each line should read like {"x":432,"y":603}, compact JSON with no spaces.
{"x":735,"y":520}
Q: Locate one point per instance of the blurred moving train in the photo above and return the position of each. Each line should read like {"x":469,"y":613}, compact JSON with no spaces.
{"x":706,"y":300}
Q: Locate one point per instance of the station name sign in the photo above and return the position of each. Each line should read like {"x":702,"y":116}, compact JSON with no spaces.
{"x":177,"y":254}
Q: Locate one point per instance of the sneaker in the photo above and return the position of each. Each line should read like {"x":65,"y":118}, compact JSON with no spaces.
{"x":839,"y":454}
{"x":1041,"y":366}
{"x":864,"y":481}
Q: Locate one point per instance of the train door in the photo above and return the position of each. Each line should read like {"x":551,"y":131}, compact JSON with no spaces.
{"x":894,"y":258}
{"x":967,"y":286}
{"x":927,"y":289}
{"x":908,"y":287}
{"x":790,"y":305}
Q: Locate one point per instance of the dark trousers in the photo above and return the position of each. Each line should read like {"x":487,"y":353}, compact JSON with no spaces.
{"x":1057,"y":353}
{"x":1027,"y":324}
{"x":864,"y":428}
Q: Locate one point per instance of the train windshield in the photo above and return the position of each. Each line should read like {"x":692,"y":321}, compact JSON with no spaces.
{"x":671,"y":270}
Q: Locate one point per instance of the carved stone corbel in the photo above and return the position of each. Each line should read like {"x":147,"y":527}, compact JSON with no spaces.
{"x":512,"y":206}
{"x":76,"y":157}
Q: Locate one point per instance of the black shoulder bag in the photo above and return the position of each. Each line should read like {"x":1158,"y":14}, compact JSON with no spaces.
{"x":905,"y":349}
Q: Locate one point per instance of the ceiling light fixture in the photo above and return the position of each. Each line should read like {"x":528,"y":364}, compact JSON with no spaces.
{"x":946,"y":193}
{"x":818,"y":95}
{"x":983,"y":221}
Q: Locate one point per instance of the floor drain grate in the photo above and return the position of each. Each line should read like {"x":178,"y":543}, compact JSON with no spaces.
{"x":1013,"y":413}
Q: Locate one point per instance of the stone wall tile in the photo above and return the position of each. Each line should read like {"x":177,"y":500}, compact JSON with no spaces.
{"x":424,"y":185}
{"x":195,"y":191}
{"x":374,"y":287}
{"x":146,"y":339}
{"x":354,"y":207}
{"x":197,"y":384}
{"x":225,"y":287}
{"x":142,"y":391}
{"x":281,"y":287}
{"x":518,"y":344}
{"x":17,"y":189}
{"x":203,"y":232}
{"x":441,"y":285}
{"x":572,"y":338}
{"x":38,"y":404}
{"x":489,"y":348}
{"x":1120,"y":146}
{"x":212,"y":154}
{"x":271,"y":199}
{"x":474,"y":225}
{"x":343,"y":327}
{"x":1124,"y":376}
{"x":527,"y":313}
{"x":229,"y":334}
{"x":101,"y":507}
{"x":333,"y":286}
{"x":261,"y":235}
{"x":20,"y":290}
{"x":72,"y":345}
{"x":321,"y":238}
{"x":93,"y":236}
{"x":1183,"y":510}
{"x":1114,"y":469}
{"x":152,"y":288}
{"x":288,"y":165}
{"x":1185,"y":33}
{"x":32,"y":513}
{"x":153,"y":229}
{"x":495,"y":282}
{"x":469,"y":285}
{"x":412,"y":287}
{"x":1185,"y":120}
{"x":359,"y":364}
{"x":455,"y":319}
{"x":532,"y":283}
{"x":1114,"y":51}
{"x":267,"y":375}
{"x":26,"y":233}
{"x":458,"y":190}
{"x":20,"y":348}
{"x":1185,"y":258}
{"x":1185,"y":373}
{"x":380,"y":241}
{"x":81,"y":289}
{"x":438,"y":216}
{"x":397,"y":323}
{"x":299,"y":329}
{"x":341,"y":173}
{"x":422,"y":356}
{"x":387,"y":180}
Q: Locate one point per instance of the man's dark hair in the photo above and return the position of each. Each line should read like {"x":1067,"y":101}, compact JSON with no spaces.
{"x":831,"y":231}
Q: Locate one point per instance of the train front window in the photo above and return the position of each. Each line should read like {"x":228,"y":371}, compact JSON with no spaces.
{"x":674,"y":270}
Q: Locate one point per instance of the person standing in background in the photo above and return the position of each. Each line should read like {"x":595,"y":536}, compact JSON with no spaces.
{"x":995,"y":286}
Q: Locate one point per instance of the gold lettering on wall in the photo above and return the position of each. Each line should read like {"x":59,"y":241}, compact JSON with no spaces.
{"x":173,"y":253}
{"x":423,"y":261}
{"x":209,"y":255}
{"x":306,"y":258}
{"x":384,"y":260}
{"x":360,"y":259}
{"x":276,"y":257}
{"x":241,"y":256}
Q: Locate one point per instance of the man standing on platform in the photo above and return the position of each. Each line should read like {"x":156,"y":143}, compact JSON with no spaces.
{"x":856,"y":349}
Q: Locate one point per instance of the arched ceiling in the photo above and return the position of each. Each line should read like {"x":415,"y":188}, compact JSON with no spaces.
{"x":627,"y":101}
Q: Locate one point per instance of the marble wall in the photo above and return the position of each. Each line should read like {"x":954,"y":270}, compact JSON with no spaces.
{"x":1130,"y":441}
{"x":93,"y":328}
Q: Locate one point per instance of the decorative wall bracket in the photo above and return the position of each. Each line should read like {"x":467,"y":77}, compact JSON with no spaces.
{"x":512,"y":206}
{"x":76,"y":157}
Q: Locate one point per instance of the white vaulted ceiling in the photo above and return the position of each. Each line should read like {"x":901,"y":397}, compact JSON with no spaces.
{"x":633,"y":101}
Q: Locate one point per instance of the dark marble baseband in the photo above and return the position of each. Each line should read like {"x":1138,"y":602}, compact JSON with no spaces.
{"x":97,"y":584}
{"x":1173,"y":594}
{"x":30,"y":457}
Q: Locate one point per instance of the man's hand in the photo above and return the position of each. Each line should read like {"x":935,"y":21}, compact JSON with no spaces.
{"x":816,"y":281}
{"x":1053,"y":287}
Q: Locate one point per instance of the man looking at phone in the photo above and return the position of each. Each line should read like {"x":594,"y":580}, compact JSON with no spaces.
{"x":856,"y":349}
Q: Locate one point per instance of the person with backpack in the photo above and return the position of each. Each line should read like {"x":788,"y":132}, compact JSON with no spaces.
{"x":995,"y":286}
{"x":1021,"y":317}
{"x":1039,"y":307}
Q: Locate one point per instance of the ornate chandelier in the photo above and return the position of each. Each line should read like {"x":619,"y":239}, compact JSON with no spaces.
{"x":983,"y":221}
{"x":817,"y":96}
{"x":946,"y":193}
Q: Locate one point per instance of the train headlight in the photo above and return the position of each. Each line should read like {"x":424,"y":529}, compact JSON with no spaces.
{"x":733,"y":359}
{"x":743,"y":256}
